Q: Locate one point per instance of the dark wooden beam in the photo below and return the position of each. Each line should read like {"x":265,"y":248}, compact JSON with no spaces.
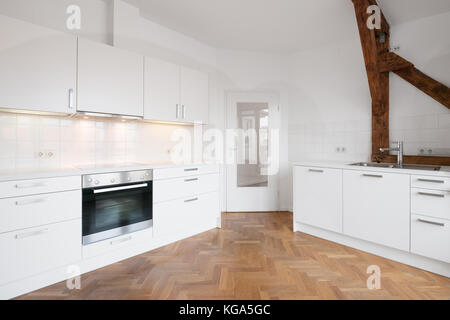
{"x":372,"y":47}
{"x":392,"y":62}
{"x":433,"y":88}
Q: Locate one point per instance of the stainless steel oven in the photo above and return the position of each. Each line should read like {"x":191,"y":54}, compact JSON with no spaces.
{"x":116,"y":203}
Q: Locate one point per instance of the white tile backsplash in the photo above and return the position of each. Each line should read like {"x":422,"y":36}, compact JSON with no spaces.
{"x":29,"y":141}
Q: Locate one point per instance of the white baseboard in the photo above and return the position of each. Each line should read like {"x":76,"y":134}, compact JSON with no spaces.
{"x":411,"y":259}
{"x":27,"y":285}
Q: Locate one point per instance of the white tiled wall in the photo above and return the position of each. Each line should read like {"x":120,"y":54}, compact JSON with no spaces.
{"x":423,"y":135}
{"x":28,"y":141}
{"x":334,"y":140}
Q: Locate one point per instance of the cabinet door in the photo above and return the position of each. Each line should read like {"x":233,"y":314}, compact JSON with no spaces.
{"x":38,"y":67}
{"x":110,"y":80}
{"x":318,"y":197}
{"x":194,"y":95}
{"x":162,"y":90}
{"x":377,"y":207}
{"x":32,"y":251}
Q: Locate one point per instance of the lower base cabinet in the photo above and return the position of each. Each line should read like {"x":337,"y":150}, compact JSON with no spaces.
{"x":35,"y":250}
{"x":430,"y":237}
{"x":377,"y":207}
{"x":192,"y":213}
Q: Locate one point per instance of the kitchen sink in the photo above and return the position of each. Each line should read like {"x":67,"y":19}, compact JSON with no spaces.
{"x":396,"y":166}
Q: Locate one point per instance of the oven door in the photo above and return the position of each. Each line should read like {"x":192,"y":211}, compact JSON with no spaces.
{"x":113,"y":211}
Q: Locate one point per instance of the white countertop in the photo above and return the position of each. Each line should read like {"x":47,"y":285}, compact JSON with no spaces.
{"x":444,"y":172}
{"x":38,"y":173}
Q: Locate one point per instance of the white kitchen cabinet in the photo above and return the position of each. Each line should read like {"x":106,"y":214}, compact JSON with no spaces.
{"x":377,"y":207}
{"x":430,"y":237}
{"x":110,"y":80}
{"x":32,"y":251}
{"x":170,"y":218}
{"x":318,"y":197}
{"x":37,"y":210}
{"x":38,"y":186}
{"x":162,"y":90}
{"x":432,"y":203}
{"x":169,"y":189}
{"x":174,"y":93}
{"x":38,"y":68}
{"x":194,"y":93}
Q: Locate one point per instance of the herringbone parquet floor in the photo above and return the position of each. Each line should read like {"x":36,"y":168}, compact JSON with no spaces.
{"x":254,"y":256}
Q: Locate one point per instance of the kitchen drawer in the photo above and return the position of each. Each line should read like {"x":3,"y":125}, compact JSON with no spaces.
{"x":432,"y":203}
{"x":37,"y":186}
{"x":32,"y":251}
{"x":184,"y":171}
{"x":169,"y":189}
{"x":430,"y":182}
{"x":38,"y":210}
{"x":127,"y":240}
{"x":430,"y":237}
{"x":187,"y":214}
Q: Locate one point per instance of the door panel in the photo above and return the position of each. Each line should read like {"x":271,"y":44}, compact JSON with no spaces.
{"x":110,"y":80}
{"x":162,"y":90}
{"x":38,"y":67}
{"x":194,"y":95}
{"x":252,"y":183}
{"x":318,"y":197}
{"x":370,"y":199}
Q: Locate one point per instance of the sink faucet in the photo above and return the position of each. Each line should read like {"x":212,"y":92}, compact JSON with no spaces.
{"x":399,"y":150}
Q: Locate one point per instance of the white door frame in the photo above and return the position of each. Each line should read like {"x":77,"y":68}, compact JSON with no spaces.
{"x":273,"y":98}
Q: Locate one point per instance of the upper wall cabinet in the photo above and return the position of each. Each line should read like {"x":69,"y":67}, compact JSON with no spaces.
{"x":174,"y":93}
{"x":37,"y":67}
{"x":110,"y":80}
{"x":194,"y":94}
{"x":162,"y":90}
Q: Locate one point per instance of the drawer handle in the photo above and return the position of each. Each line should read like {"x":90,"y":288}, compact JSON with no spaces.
{"x":430,"y":180}
{"x":191,"y":169}
{"x":31,"y":185}
{"x":27,"y":202}
{"x":432,"y":194}
{"x":191,"y":180}
{"x":191,"y":200}
{"x":30,"y":234}
{"x":432,"y":222}
{"x":372,"y":175}
{"x":121,"y":240}
{"x":315,"y":170}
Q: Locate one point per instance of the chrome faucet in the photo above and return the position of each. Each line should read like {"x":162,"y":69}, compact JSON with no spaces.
{"x":399,"y":150}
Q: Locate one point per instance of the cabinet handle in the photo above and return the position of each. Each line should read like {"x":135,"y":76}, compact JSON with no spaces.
{"x":191,"y":169}
{"x":30,"y":185}
{"x":191,"y":200}
{"x":177,"y":110}
{"x":437,"y":195}
{"x":190,"y":180}
{"x":430,"y":180}
{"x":183,"y":111}
{"x":30,"y":234}
{"x":432,"y":222}
{"x":27,"y":202}
{"x":372,"y":175}
{"x":316,"y":170}
{"x":71,"y":98}
{"x":121,"y":240}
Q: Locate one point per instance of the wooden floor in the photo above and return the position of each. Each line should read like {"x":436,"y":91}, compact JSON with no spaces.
{"x":254,"y":256}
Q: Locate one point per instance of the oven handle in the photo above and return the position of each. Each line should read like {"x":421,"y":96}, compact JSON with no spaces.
{"x":136,"y":186}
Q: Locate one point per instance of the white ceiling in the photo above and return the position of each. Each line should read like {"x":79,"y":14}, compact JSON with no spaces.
{"x":273,"y":25}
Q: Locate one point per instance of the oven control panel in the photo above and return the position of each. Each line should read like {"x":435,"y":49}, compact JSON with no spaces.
{"x":116,"y":178}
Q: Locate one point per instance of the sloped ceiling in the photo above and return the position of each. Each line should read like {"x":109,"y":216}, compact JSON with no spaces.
{"x":281,"y":26}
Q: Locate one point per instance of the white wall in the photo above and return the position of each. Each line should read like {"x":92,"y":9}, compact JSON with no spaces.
{"x":96,"y":15}
{"x":417,"y":119}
